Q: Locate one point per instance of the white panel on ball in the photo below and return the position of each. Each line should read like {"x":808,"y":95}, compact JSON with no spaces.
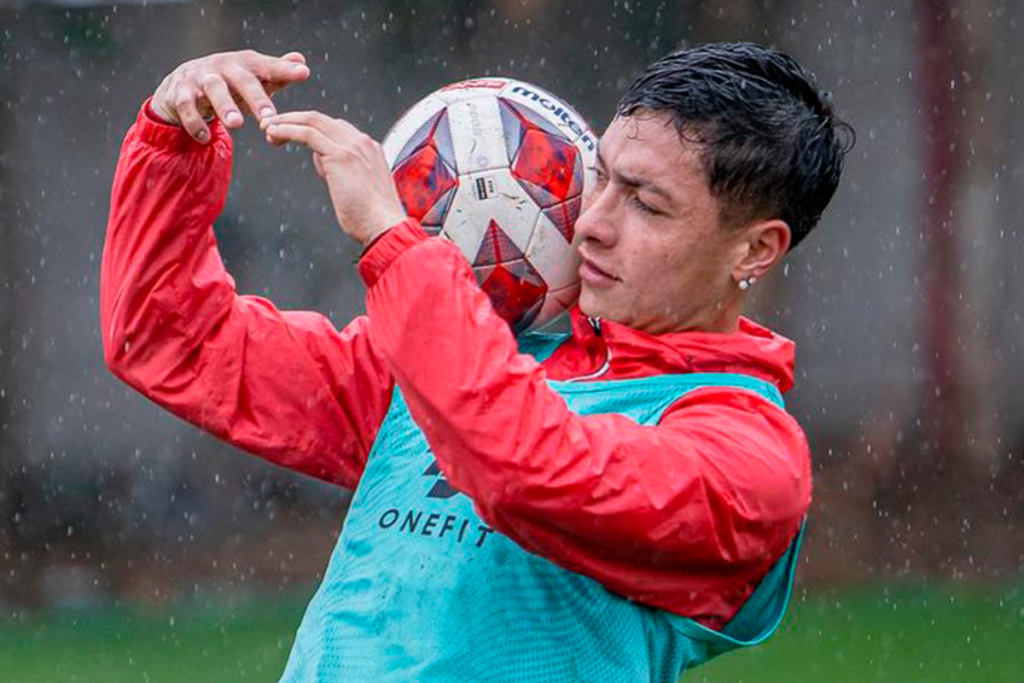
{"x":553,"y":257}
{"x":478,"y":135}
{"x":474,"y":87}
{"x":483,"y":197}
{"x":408,"y":124}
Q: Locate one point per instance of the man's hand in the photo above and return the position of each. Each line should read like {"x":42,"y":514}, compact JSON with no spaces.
{"x":362,"y":191}
{"x":228,"y":85}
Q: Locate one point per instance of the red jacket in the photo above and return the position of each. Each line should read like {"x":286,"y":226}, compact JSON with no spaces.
{"x":686,"y":516}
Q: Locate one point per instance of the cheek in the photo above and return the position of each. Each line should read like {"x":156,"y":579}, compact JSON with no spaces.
{"x":655,"y":260}
{"x":671,"y":271}
{"x":666,"y":276}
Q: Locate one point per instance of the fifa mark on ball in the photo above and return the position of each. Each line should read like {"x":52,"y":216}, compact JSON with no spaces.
{"x":499,"y":167}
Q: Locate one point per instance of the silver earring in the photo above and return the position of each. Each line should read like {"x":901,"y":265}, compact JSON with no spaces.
{"x":746,"y":283}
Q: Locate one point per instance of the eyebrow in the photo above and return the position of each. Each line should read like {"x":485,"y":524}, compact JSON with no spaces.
{"x":637,"y":183}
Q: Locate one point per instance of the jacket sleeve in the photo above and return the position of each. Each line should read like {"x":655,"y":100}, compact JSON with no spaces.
{"x":286,"y":386}
{"x":717,"y":490}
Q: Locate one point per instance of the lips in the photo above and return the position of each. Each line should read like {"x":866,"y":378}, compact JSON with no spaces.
{"x":595,"y":274}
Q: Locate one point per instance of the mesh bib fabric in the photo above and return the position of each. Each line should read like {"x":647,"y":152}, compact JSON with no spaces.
{"x":420,"y":589}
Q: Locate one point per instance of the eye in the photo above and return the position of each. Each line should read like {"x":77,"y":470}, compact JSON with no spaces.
{"x":646,"y":208}
{"x":599,"y":175}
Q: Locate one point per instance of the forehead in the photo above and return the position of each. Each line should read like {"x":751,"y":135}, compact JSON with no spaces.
{"x":648,"y":145}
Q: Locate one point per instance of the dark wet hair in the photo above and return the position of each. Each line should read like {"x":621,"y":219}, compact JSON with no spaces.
{"x":772,"y":147}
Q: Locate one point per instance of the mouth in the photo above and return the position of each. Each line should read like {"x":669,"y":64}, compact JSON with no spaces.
{"x":593,"y":274}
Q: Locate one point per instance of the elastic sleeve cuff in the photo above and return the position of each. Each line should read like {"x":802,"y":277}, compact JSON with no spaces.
{"x":389,"y":246}
{"x":154,"y":131}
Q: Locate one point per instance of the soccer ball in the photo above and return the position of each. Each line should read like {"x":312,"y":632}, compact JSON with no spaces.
{"x":499,"y":167}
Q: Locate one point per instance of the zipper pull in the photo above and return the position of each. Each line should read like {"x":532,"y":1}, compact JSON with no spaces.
{"x":595,"y":324}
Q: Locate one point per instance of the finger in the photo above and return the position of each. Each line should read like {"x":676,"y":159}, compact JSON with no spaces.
{"x":294,"y":57}
{"x":303,"y":118}
{"x":275,"y":141}
{"x":278,"y":70}
{"x":249,"y":88}
{"x":318,"y":164}
{"x":219,"y":96}
{"x":336,"y":128}
{"x":191,"y":120}
{"x":163,"y":102}
{"x":305,"y":135}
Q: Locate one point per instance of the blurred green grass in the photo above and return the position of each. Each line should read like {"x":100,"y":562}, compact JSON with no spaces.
{"x":894,"y":635}
{"x":881,"y":634}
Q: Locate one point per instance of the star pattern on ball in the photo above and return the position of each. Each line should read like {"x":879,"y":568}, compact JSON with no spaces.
{"x":545,"y":164}
{"x":514,"y":286}
{"x":425,"y":174}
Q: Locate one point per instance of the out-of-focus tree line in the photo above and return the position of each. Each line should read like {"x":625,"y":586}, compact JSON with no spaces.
{"x":905,"y":303}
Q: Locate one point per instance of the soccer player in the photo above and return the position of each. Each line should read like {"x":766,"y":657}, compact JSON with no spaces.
{"x":620,"y":503}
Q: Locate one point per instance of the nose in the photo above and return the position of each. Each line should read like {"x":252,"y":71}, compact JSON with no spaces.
{"x":596,"y":225}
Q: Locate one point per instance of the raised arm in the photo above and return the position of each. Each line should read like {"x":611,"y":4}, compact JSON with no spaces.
{"x":286,"y":386}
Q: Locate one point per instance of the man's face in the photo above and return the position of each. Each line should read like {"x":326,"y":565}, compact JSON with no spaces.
{"x":655,"y":257}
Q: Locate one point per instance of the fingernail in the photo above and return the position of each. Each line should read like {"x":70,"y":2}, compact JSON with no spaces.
{"x":233,"y":118}
{"x":201,"y":136}
{"x":299,"y":67}
{"x":266,"y":112}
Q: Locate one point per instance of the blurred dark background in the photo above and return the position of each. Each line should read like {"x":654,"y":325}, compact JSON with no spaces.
{"x":906,"y":302}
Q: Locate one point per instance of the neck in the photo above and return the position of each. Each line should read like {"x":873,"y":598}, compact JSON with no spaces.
{"x":721,"y":318}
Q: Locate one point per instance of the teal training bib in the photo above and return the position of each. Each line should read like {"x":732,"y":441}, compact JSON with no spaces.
{"x":419,"y":588}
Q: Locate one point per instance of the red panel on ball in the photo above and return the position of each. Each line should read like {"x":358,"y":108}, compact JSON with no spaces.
{"x":515,"y":289}
{"x":547,"y":162}
{"x":564,"y":216}
{"x":497,"y":247}
{"x":422,"y":179}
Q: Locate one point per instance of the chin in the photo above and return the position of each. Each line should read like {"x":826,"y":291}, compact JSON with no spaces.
{"x":589,"y":304}
{"x":595,"y":307}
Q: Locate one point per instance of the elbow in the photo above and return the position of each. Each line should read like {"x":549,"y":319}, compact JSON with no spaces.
{"x":118,"y":354}
{"x":126,"y":345}
{"x":113,"y":336}
{"x":112,"y":331}
{"x":115,"y":354}
{"x":784,"y":500}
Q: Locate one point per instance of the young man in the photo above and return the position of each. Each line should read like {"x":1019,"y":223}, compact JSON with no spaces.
{"x":618,"y":504}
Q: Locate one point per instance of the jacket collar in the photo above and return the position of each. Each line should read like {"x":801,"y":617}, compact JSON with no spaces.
{"x":752,"y":350}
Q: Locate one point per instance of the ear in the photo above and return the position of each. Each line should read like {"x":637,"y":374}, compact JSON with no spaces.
{"x":764,"y":244}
